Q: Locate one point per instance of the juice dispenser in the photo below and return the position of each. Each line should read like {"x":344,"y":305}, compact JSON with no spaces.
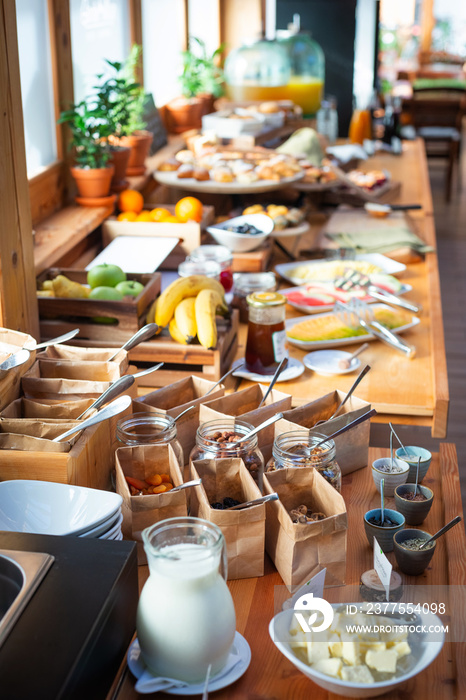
{"x":258,"y":71}
{"x":306,"y":84}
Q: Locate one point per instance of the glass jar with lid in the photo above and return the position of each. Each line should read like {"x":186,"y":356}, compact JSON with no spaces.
{"x":266,"y":343}
{"x":295,"y":449}
{"x":219,"y":254}
{"x":307,"y":62}
{"x":216,"y":440}
{"x":148,"y":429}
{"x":244,"y":283}
{"x":209,"y":268}
{"x":257,"y":71}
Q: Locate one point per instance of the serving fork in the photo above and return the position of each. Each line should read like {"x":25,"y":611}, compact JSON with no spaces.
{"x":352,"y":279}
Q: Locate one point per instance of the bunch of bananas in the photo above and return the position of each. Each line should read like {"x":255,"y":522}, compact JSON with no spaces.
{"x":188,"y":307}
{"x":63,"y":287}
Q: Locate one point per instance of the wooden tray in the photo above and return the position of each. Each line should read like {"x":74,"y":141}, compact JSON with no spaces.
{"x":58,"y":315}
{"x":184,"y":360}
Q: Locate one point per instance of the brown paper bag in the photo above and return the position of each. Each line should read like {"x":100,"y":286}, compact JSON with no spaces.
{"x":299,"y":551}
{"x":28,"y":408}
{"x":352,"y":447}
{"x":75,"y":353}
{"x":175,"y":398}
{"x":50,"y":368}
{"x":35,"y":434}
{"x":244,"y":530}
{"x":245,"y":405}
{"x":140,"y":512}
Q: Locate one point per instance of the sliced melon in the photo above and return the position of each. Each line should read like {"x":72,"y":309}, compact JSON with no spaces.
{"x":331,"y":328}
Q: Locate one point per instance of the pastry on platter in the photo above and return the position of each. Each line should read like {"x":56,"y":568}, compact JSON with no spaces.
{"x":169,"y":165}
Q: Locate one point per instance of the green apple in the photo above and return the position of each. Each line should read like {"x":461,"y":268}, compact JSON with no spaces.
{"x":130,"y":288}
{"x":109,"y":293}
{"x":105,"y":276}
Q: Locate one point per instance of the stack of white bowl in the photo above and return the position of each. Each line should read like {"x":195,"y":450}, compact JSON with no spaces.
{"x":47,"y":508}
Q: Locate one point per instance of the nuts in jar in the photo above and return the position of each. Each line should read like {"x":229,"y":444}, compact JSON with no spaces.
{"x":218,"y":439}
{"x":296,"y":449}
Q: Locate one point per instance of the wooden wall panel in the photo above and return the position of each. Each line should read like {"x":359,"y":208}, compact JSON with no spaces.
{"x":18,"y":303}
{"x":239,"y":19}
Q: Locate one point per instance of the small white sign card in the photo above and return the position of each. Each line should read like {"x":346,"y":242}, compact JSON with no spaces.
{"x":142,"y":254}
{"x":382,"y":567}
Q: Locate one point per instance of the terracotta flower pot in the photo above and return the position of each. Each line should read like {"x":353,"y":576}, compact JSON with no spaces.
{"x":93,"y":183}
{"x":184,"y":114}
{"x":139,"y":142}
{"x":119,"y":157}
{"x":208,"y":100}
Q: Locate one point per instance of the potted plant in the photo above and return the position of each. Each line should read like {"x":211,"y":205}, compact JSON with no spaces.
{"x":199,"y":78}
{"x":211,"y":75}
{"x":132,"y":131}
{"x":90,"y":131}
{"x":117,"y":96}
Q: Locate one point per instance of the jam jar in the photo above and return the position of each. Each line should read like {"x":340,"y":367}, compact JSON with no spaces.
{"x":266,"y":343}
{"x":221,"y":255}
{"x":215,"y":440}
{"x":247,"y":282}
{"x":148,"y":429}
{"x":295,"y":449}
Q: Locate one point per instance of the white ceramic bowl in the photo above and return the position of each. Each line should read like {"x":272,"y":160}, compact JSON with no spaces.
{"x":391,"y":480}
{"x":47,"y":508}
{"x":429,"y":648}
{"x":242,"y":242}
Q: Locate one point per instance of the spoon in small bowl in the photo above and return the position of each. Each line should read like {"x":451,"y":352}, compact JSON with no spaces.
{"x":442,"y":531}
{"x":382,"y":512}
{"x":346,"y":363}
{"x":417,"y":474}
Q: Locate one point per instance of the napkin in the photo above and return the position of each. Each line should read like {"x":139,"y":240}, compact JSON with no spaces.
{"x":148,"y":683}
{"x":347,"y":152}
{"x":377,"y":241}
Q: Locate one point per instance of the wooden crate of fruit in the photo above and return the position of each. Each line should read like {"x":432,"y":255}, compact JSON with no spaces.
{"x":189,"y":233}
{"x":112,"y":322}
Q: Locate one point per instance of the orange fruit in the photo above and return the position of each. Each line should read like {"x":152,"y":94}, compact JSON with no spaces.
{"x":159,"y":214}
{"x":171,"y":220}
{"x":127,"y":216}
{"x":130,"y":200}
{"x":189,"y":208}
{"x":144,"y":216}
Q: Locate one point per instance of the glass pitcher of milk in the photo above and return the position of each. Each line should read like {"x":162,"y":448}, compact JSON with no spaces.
{"x":186,"y":616}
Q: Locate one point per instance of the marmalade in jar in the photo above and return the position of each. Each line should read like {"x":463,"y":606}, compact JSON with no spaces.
{"x":266,"y":344}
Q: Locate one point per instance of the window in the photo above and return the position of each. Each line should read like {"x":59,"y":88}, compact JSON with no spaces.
{"x":36,"y":84}
{"x":204,"y":22}
{"x":99,"y":31}
{"x":163,"y":32}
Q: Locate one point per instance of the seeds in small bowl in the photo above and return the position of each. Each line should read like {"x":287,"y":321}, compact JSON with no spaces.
{"x":410,"y":558}
{"x":415,"y":506}
{"x":393,"y":521}
{"x":393,"y":471}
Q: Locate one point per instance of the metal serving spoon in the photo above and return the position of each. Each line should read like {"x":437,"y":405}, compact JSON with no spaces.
{"x":187,"y":485}
{"x":15,"y":360}
{"x":142,"y":334}
{"x":442,"y":531}
{"x":227,"y":374}
{"x":113,"y":409}
{"x":361,"y":419}
{"x":278,"y":371}
{"x":263,"y":499}
{"x":265,"y":424}
{"x":360,"y":376}
{"x":59,"y":339}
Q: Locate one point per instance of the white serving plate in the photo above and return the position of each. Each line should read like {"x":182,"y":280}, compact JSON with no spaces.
{"x":242,"y":242}
{"x":294,"y":369}
{"x":102,"y":528}
{"x":325,"y":362}
{"x":321,"y":344}
{"x":48,"y":508}
{"x":428,"y":649}
{"x":189,"y":183}
{"x":317,"y":309}
{"x":391,"y":267}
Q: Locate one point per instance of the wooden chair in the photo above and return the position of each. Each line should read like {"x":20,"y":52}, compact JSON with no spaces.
{"x":437,"y":115}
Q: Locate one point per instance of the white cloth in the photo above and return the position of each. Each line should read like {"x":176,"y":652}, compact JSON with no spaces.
{"x":148,"y":683}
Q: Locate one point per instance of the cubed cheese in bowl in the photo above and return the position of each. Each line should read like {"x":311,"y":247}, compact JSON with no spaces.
{"x":357,"y":664}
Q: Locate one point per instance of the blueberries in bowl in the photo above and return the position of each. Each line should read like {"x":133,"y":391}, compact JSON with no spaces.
{"x":244,"y":228}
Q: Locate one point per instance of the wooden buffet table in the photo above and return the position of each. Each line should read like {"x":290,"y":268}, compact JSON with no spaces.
{"x":271,"y":675}
{"x":403,"y":391}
